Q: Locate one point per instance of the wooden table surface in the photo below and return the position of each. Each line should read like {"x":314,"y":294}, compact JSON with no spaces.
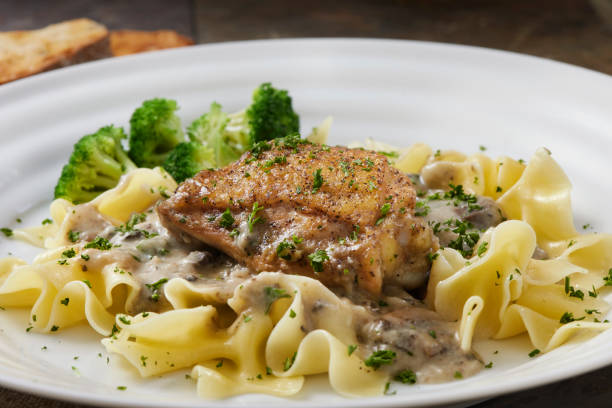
{"x":574,"y":31}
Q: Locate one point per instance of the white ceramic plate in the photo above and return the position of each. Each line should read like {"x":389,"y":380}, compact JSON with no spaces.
{"x":396,"y":91}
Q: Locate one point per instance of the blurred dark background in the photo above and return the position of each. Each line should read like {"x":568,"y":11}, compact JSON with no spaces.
{"x":574,"y":31}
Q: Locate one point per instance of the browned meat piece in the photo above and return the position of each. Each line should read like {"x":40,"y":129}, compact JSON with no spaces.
{"x":349,"y":203}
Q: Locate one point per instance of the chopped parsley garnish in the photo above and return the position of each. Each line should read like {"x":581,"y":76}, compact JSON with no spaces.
{"x":143,"y":360}
{"x":316,"y":260}
{"x":73,"y":236}
{"x":384,"y":210}
{"x":489,"y":365}
{"x":421,"y":209}
{"x":85,"y":257}
{"x":534,"y":353}
{"x":88,"y":283}
{"x":568,"y":317}
{"x":297,"y":240}
{"x":124,"y":320}
{"x":466,"y":240}
{"x":7,"y":232}
{"x":65,"y":301}
{"x":569,"y":290}
{"x":219,"y":364}
{"x":121,"y":387}
{"x":317,"y":181}
{"x":253,"y":218}
{"x":289,"y":362}
{"x":155,"y":287}
{"x":272,"y":294}
{"x":355,"y":232}
{"x":234,"y":233}
{"x":276,"y":160}
{"x":432,"y":256}
{"x":247,"y":318}
{"x":54,"y":328}
{"x":608,"y":279}
{"x":226,"y":220}
{"x":458,"y":375}
{"x":99,"y":243}
{"x":386,"y":392}
{"x":406,"y":377}
{"x":572,"y":242}
{"x":482,"y":148}
{"x":47,"y":221}
{"x":591,"y":311}
{"x":482,"y":248}
{"x":69,"y":253}
{"x":498,"y":189}
{"x":432,"y":333}
{"x":380,"y":358}
{"x":458,"y":195}
{"x":351,"y":348}
{"x":292,"y":313}
{"x":284,"y":250}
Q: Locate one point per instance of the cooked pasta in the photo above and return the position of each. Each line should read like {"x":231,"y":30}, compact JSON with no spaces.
{"x":240,"y":332}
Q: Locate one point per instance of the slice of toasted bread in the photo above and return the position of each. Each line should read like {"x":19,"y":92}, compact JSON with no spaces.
{"x":24,"y":53}
{"x":124,"y":42}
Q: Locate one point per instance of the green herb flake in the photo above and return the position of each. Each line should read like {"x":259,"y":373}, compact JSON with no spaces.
{"x":489,"y":365}
{"x":317,"y":259}
{"x":155,"y":287}
{"x":351,"y":348}
{"x":88,"y":283}
{"x":226,"y":220}
{"x":533,"y":353}
{"x":47,"y":221}
{"x":458,"y":375}
{"x":292,"y":313}
{"x":121,"y":387}
{"x":73,"y":236}
{"x":69,"y":253}
{"x":406,"y":377}
{"x":65,"y":301}
{"x":317,"y":181}
{"x":380,"y":358}
{"x":272,"y":294}
{"x":386,"y":392}
{"x":7,"y":232}
{"x":124,"y":320}
{"x":482,"y":248}
{"x":99,"y":243}
{"x":253,"y":218}
{"x":384,"y":210}
{"x":289,"y":362}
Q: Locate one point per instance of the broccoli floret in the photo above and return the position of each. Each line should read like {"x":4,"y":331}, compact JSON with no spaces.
{"x":154,"y":131}
{"x":187,"y":159}
{"x":96,"y":164}
{"x":271,"y":114}
{"x":223,"y":133}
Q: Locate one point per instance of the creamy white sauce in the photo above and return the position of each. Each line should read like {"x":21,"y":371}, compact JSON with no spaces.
{"x":397,"y":321}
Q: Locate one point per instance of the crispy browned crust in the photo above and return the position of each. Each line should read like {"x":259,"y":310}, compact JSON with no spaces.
{"x":24,"y":53}
{"x":124,"y":42}
{"x":357,"y":184}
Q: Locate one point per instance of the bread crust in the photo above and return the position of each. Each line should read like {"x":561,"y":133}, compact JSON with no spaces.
{"x":24,"y":53}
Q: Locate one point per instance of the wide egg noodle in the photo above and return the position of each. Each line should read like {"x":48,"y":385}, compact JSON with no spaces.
{"x":93,"y":295}
{"x":541,"y":197}
{"x":505,"y":293}
{"x":259,"y":352}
